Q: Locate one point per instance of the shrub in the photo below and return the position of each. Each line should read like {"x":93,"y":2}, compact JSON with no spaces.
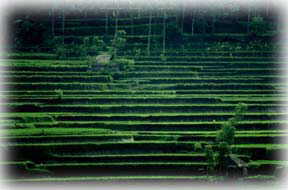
{"x":198,"y":147}
{"x":103,"y":87}
{"x":163,"y":57}
{"x":137,"y":52}
{"x":210,"y":156}
{"x":59,"y":94}
{"x":258,"y":26}
{"x":227,"y":132}
{"x":240,"y":109}
{"x":24,"y":125}
{"x":109,"y":78}
{"x":222,"y":152}
{"x":78,"y":46}
{"x":94,"y":44}
{"x":118,"y":42}
{"x":124,"y":64}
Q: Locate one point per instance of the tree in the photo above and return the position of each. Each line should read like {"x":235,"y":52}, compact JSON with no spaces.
{"x":118,"y":42}
{"x":222,"y":153}
{"x":258,"y":25}
{"x":211,"y":160}
{"x":248,"y":19}
{"x":183,"y":17}
{"x":164,"y":33}
{"x":226,"y":134}
{"x":106,"y":22}
{"x":227,"y":131}
{"x":192,"y":22}
{"x":63,"y":24}
{"x":149,"y":33}
{"x":115,"y":15}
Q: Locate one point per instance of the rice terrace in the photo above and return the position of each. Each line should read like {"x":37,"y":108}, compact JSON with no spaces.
{"x":158,"y":91}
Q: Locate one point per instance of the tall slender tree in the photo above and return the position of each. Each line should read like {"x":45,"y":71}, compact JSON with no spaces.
{"x":149,"y":32}
{"x":52,"y":16}
{"x":248,"y":19}
{"x":115,"y":14}
{"x":63,"y":23}
{"x":106,"y":22}
{"x":164,"y":32}
{"x":192,"y":21}
{"x":183,"y":18}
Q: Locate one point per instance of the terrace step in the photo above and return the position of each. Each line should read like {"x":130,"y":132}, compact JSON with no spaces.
{"x":154,"y":120}
{"x":140,"y":108}
{"x":131,"y":137}
{"x":177,"y":157}
{"x":266,"y":167}
{"x":152,"y":87}
{"x":125,"y":169}
{"x":166,"y":126}
{"x":148,"y":92}
{"x":45,"y":151}
{"x":115,"y":100}
{"x":164,"y":179}
{"x":204,"y":58}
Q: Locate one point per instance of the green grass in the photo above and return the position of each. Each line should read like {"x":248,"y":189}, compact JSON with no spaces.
{"x":141,"y":114}
{"x":243,"y":92}
{"x":267,"y":146}
{"x":114,"y":178}
{"x":136,"y":155}
{"x":101,"y":131}
{"x":170,"y":94}
{"x":268,"y":162}
{"x":56,"y":131}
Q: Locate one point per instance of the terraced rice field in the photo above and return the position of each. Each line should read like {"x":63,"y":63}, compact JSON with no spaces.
{"x":144,"y":128}
{"x":65,"y":123}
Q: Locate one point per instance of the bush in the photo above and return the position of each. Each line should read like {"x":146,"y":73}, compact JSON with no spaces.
{"x":163,"y":57}
{"x":211,"y":160}
{"x":24,"y":125}
{"x":59,"y":94}
{"x":227,"y":132}
{"x":240,"y":109}
{"x":61,"y":52}
{"x":78,"y":46}
{"x":70,"y":50}
{"x":118,"y":42}
{"x":258,"y":26}
{"x":198,"y":147}
{"x":124,"y":64}
{"x":137,"y":52}
{"x":103,"y":87}
{"x":94,"y":44}
{"x":222,"y":153}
